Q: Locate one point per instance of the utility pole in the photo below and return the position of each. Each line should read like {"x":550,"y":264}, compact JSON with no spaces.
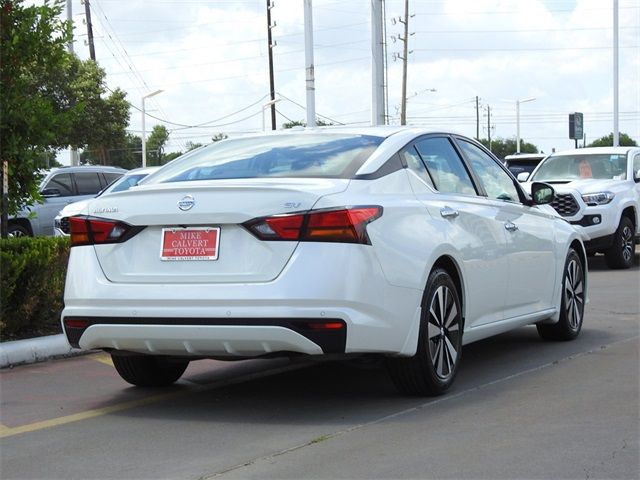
{"x":310,"y":80}
{"x":616,"y":132}
{"x":272,"y":88}
{"x":405,"y":56}
{"x":377,"y":64}
{"x":74,"y":159}
{"x":87,"y":12}
{"x":477,"y":119}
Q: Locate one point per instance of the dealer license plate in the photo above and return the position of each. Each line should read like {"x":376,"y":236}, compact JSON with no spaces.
{"x":190,"y":244}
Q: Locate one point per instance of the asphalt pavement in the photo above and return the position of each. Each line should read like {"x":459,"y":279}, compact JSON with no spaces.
{"x":520,"y":408}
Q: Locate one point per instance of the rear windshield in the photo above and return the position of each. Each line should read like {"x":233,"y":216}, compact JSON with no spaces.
{"x":517,"y":167}
{"x":325,"y":155}
{"x":573,"y":167}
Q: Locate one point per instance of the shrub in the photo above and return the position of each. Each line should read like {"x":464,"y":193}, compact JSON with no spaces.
{"x":32,"y":276}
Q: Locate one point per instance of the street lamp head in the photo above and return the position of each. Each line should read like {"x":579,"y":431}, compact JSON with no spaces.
{"x":529,"y":99}
{"x":152,"y":94}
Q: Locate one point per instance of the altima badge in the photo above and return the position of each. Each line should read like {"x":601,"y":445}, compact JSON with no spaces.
{"x":186,"y":203}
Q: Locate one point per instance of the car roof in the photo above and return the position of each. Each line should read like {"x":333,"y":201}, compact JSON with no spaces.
{"x":88,"y":168}
{"x":526,"y":156}
{"x":597,"y":150}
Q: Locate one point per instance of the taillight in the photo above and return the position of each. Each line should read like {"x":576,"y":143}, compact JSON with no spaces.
{"x":344,"y":225}
{"x":95,"y":231}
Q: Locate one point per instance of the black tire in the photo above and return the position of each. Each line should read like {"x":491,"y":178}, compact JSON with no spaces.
{"x":572,"y":303}
{"x":17,"y":230}
{"x":622,"y":252}
{"x":149,"y":370}
{"x":433,"y":368}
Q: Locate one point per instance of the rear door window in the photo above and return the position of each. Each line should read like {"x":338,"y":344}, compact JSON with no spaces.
{"x":445,"y":166}
{"x":416,"y":165}
{"x":110,"y":177}
{"x":88,"y":183}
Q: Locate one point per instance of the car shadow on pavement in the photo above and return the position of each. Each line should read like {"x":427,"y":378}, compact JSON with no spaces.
{"x":597,"y":262}
{"x":329,"y":391}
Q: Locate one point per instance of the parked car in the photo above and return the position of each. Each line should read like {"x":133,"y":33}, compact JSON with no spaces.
{"x":598,"y":190}
{"x":523,"y":162}
{"x":59,"y":188}
{"x":393,"y":241}
{"x":125,"y":182}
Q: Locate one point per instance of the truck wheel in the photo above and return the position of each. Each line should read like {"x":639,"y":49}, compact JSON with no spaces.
{"x":149,"y":370}
{"x":17,"y":230}
{"x":622,"y":252}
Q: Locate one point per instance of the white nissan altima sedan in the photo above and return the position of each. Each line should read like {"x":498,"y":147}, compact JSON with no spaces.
{"x":397,"y":241}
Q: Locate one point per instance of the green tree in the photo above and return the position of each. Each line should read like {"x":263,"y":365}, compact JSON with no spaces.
{"x":607,"y":141}
{"x":501,"y":147}
{"x":32,"y":109}
{"x":300,"y":123}
{"x":127,"y":155}
{"x":217,"y":137}
{"x":100,"y":119}
{"x":49,"y":99}
{"x":155,"y":145}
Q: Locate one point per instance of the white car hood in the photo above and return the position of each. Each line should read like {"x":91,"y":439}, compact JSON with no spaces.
{"x":582,"y":186}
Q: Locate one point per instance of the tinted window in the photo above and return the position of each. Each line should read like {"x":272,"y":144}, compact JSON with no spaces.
{"x":110,"y":177}
{"x":445,"y":166}
{"x":496,"y":182}
{"x":297,"y":155}
{"x":88,"y":183}
{"x":415,"y":164}
{"x":516,"y":167}
{"x":636,"y":163}
{"x":572,"y":167}
{"x":61,"y":182}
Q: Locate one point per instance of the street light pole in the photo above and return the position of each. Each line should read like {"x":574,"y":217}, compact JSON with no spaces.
{"x":144,"y":132}
{"x":518,"y":102}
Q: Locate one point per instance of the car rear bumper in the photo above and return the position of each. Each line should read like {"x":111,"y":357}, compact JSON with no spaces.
{"x":248,"y":319}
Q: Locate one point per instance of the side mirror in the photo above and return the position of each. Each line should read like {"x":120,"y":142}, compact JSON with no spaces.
{"x":542,"y":194}
{"x":50,"y":192}
{"x":523,"y":176}
{"x":636,"y":176}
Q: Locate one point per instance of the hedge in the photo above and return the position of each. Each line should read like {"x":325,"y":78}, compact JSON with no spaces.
{"x":32,"y":276}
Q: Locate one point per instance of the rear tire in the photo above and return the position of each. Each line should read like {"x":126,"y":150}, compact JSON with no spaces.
{"x":432,"y":369}
{"x":149,"y":370}
{"x":572,"y":303}
{"x":17,"y":230}
{"x":622,"y":252}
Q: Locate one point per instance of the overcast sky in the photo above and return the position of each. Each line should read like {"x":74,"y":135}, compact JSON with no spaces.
{"x":210,"y":58}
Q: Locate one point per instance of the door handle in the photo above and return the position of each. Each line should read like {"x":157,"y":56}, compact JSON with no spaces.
{"x":447,"y":212}
{"x":510,"y":227}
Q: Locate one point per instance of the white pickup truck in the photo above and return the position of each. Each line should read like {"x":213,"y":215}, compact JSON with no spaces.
{"x":598,"y":190}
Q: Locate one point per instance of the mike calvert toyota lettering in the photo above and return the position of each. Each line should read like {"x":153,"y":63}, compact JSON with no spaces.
{"x":190,"y":244}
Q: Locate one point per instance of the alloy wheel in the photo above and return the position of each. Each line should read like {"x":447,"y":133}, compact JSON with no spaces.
{"x":443,"y":332}
{"x":574,"y":293}
{"x":627,"y":243}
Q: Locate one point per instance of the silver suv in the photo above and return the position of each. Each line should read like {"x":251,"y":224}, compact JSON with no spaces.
{"x":59,"y":188}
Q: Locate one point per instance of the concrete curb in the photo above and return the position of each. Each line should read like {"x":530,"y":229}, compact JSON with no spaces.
{"x":34,"y":350}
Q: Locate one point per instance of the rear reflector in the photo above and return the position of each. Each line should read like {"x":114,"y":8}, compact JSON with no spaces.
{"x":343,"y":225}
{"x":76,"y":323}
{"x":94,"y":231}
{"x":326,"y":325}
